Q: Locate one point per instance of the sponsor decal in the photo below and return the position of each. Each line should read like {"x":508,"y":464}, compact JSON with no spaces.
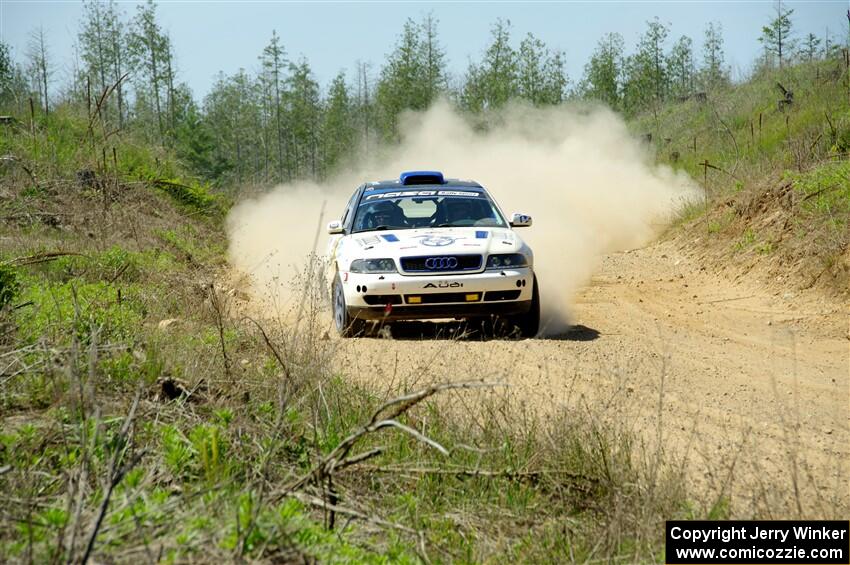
{"x":437,"y":240}
{"x":413,"y":193}
{"x":481,"y":234}
{"x":444,"y":284}
{"x":390,"y":237}
{"x":371,"y":240}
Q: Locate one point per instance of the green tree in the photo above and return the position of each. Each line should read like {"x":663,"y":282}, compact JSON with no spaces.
{"x":94,"y":46}
{"x":402,"y":85}
{"x":493,"y":81}
{"x":232,"y":113}
{"x":364,"y":106}
{"x":541,"y":77}
{"x":645,"y":80}
{"x":681,"y":67}
{"x":103,"y":51}
{"x":273,"y":62}
{"x":13,"y":87}
{"x":305,"y":119}
{"x":603,"y":72}
{"x":713,"y":72}
{"x":433,"y":58}
{"x":810,"y":47}
{"x":117,"y":49}
{"x":776,"y":36}
{"x":338,"y":129}
{"x":149,"y":51}
{"x":195,"y":145}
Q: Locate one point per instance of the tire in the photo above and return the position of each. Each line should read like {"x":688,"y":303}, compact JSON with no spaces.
{"x":529,"y":323}
{"x":345,"y":325}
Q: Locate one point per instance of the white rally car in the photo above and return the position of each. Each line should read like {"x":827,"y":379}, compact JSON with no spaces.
{"x":425,"y":247}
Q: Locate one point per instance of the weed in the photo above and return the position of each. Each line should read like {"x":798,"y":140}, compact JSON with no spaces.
{"x":826,"y":190}
{"x":746,"y":240}
{"x":9,"y":284}
{"x":59,"y":310}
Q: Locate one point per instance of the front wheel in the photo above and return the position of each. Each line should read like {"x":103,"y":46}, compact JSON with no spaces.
{"x":346,"y":326}
{"x":529,"y":323}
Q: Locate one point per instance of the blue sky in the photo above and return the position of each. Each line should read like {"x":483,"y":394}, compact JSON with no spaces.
{"x":225,"y":35}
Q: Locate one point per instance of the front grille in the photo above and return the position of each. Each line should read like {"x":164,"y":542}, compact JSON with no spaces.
{"x":382,"y":299}
{"x":496,"y":295}
{"x":441,"y":263}
{"x":441,"y":297}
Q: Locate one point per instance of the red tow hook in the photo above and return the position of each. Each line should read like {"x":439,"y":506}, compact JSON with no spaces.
{"x":388,"y":309}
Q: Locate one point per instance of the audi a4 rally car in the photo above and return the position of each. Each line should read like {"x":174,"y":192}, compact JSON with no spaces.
{"x":426,"y":247}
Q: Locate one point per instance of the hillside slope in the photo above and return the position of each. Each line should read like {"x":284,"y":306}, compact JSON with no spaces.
{"x":777,"y":178}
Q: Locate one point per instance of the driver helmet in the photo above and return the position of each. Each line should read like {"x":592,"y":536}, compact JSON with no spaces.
{"x":383,"y":214}
{"x":458,"y":210}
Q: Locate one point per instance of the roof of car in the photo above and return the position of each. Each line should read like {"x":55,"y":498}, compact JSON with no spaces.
{"x":387,"y":185}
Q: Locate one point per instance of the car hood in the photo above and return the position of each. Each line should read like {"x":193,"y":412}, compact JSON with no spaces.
{"x":428,"y":241}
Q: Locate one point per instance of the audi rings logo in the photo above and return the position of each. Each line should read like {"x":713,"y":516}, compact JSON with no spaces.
{"x":441,"y":263}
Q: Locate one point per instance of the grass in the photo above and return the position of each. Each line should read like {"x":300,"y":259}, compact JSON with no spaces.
{"x":143,"y":418}
{"x":757,"y":148}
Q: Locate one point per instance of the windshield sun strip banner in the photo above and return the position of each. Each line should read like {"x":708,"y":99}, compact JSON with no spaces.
{"x":419,"y":194}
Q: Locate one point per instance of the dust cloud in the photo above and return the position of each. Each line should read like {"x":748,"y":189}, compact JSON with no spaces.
{"x":591,"y":187}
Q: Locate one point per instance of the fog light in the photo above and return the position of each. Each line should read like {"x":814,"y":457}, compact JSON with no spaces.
{"x":472,"y":297}
{"x":414,"y":299}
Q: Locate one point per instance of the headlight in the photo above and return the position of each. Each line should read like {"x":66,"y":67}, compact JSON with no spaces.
{"x":373,"y":266}
{"x":507,"y":261}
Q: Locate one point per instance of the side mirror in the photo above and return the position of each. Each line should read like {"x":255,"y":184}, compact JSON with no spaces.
{"x":520,"y":220}
{"x":335,"y":227}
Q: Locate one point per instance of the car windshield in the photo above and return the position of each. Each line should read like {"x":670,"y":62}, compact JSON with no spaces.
{"x":426,"y":208}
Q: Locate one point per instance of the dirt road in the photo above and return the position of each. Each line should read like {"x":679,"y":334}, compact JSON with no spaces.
{"x":738,"y":375}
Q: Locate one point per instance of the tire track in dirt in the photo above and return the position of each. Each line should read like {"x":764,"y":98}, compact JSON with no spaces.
{"x":742,"y":375}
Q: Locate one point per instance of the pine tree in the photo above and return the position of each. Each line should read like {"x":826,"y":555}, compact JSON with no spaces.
{"x":40,"y":67}
{"x":603,"y":72}
{"x":305,"y":119}
{"x":645,"y":78}
{"x":364,"y":106}
{"x":491,"y":83}
{"x":776,"y":36}
{"x":433,"y":59}
{"x":541,"y":77}
{"x":147,"y":47}
{"x":402,"y":85}
{"x":681,"y":67}
{"x":273,"y":62}
{"x":338,"y":124}
{"x":13,"y":87}
{"x":117,"y":49}
{"x":810,"y":47}
{"x":713,"y":73}
{"x":94,"y":47}
{"x":103,"y":52}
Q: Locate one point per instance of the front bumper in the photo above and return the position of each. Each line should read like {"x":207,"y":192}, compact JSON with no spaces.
{"x":393,"y":296}
{"x":439,"y":311}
